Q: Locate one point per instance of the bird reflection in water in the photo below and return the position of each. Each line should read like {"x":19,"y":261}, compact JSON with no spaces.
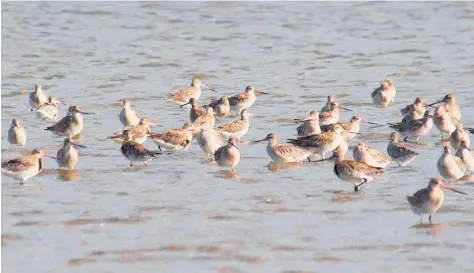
{"x":68,"y":175}
{"x":431,"y":229}
{"x":275,"y":167}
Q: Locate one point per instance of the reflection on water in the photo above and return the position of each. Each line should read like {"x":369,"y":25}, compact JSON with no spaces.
{"x":68,"y":175}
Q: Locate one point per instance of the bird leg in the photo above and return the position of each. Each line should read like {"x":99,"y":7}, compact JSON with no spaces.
{"x":421,"y":219}
{"x":145,"y":163}
{"x":417,"y":139}
{"x":309,"y":159}
{"x":131,"y":163}
{"x":356,"y":187}
{"x":430,"y":219}
{"x":159,"y":147}
{"x":22,"y":181}
{"x":322,"y":157}
{"x":405,"y":139}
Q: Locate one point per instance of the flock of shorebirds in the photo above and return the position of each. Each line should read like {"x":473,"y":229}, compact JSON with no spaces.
{"x":319,"y":133}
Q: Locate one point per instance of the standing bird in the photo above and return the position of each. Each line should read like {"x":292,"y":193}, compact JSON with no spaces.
{"x":355,"y":172}
{"x":139,"y":133}
{"x":418,"y":106}
{"x":327,"y":107}
{"x":399,"y":153}
{"x":70,"y":125}
{"x":208,"y":118}
{"x":183,"y":95}
{"x":128,"y":117}
{"x":228,"y":155}
{"x":370,"y":156}
{"x":16,"y":134}
{"x":351,"y":128}
{"x":244,"y":100}
{"x":430,"y":199}
{"x":459,"y":135}
{"x":445,"y":123}
{"x":49,"y":110}
{"x":237,"y":128}
{"x":136,"y":152}
{"x":221,"y":106}
{"x":310,"y":125}
{"x":26,"y":167}
{"x":195,"y":112}
{"x":322,"y":143}
{"x":37,"y":97}
{"x":284,"y":153}
{"x":416,"y":128}
{"x":465,"y":154}
{"x":175,"y":139}
{"x":450,"y":105}
{"x":209,"y":141}
{"x":384,"y":94}
{"x":450,"y":166}
{"x":332,"y":115}
{"x":67,"y":156}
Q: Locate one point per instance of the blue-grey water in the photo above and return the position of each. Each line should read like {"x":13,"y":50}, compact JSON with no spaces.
{"x":181,"y":214}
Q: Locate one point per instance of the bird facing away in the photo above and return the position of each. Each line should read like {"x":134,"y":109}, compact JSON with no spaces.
{"x":195,"y":112}
{"x":136,"y":152}
{"x":128,"y":117}
{"x":67,"y":156}
{"x":355,"y":172}
{"x":372,"y":157}
{"x":16,"y":134}
{"x":175,"y":139}
{"x":450,"y":105}
{"x":418,"y":106}
{"x":139,"y":133}
{"x":416,"y":128}
{"x":237,"y":128}
{"x":332,"y":115}
{"x":49,"y":110}
{"x":399,"y":153}
{"x":183,"y":95}
{"x":37,"y":97}
{"x":204,"y":120}
{"x":450,"y":166}
{"x":228,"y":155}
{"x":327,"y":107}
{"x":221,"y":106}
{"x":429,"y":199}
{"x":26,"y":167}
{"x":310,"y":125}
{"x":383,"y":95}
{"x":465,"y":154}
{"x":209,"y":141}
{"x":459,"y":135}
{"x":445,"y":123}
{"x":70,"y":125}
{"x":244,"y":100}
{"x":284,"y":153}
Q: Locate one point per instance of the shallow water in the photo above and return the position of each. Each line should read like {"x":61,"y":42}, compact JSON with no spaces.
{"x":181,"y":214}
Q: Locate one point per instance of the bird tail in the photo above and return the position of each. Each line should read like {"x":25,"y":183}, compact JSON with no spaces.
{"x":154,"y":153}
{"x":155,"y":135}
{"x":50,"y":128}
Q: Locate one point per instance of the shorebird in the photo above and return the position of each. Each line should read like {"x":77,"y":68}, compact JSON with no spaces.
{"x":67,"y":156}
{"x":244,"y":100}
{"x":459,"y":135}
{"x":26,"y":167}
{"x":370,"y":156}
{"x":136,"y":152}
{"x":310,"y":125}
{"x":128,"y":117}
{"x":327,"y":107}
{"x":450,"y":105}
{"x":175,"y":139}
{"x":351,"y":128}
{"x":450,"y":166}
{"x":416,"y":128}
{"x":221,"y":106}
{"x":284,"y":153}
{"x":183,"y":95}
{"x":16,"y":134}
{"x":465,"y":154}
{"x":444,"y":122}
{"x":195,"y":112}
{"x":49,"y":110}
{"x":399,"y":153}
{"x":237,"y":128}
{"x":138,"y":133}
{"x":209,"y":141}
{"x":228,"y":155}
{"x":70,"y":125}
{"x":384,"y":94}
{"x":429,"y":199}
{"x":471,"y":130}
{"x":332,"y":115}
{"x":355,"y":172}
{"x":418,"y":106}
{"x":322,"y":143}
{"x":37,"y":97}
{"x":208,"y":118}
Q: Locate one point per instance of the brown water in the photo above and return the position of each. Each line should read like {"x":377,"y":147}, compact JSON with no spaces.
{"x":181,"y":214}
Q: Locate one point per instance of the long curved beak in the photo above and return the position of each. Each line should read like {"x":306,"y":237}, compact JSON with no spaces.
{"x":151,"y":123}
{"x":85,"y":113}
{"x":368,"y":122}
{"x":309,"y":118}
{"x":207,"y":87}
{"x":182,"y":105}
{"x":452,"y":189}
{"x":79,"y":145}
{"x":257,"y":141}
{"x":345,"y":108}
{"x":261,"y":92}
{"x":434,"y":103}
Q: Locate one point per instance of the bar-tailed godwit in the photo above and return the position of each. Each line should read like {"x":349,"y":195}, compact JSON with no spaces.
{"x":284,"y":153}
{"x":351,"y":128}
{"x":207,"y":118}
{"x":416,"y":128}
{"x":332,"y":115}
{"x":67,"y":156}
{"x":138,"y":133}
{"x":445,"y":123}
{"x":310,"y":125}
{"x":459,"y":135}
{"x":429,"y":199}
{"x":228,"y":155}
{"x":49,"y":110}
{"x":183,"y":95}
{"x":195,"y":112}
{"x":128,"y":117}
{"x":327,"y":107}
{"x":37,"y":97}
{"x":221,"y":106}
{"x":384,"y":94}
{"x":175,"y":139}
{"x":362,"y":152}
{"x":70,"y":125}
{"x":237,"y":128}
{"x":450,"y":105}
{"x":465,"y":154}
{"x":16,"y":134}
{"x":26,"y":167}
{"x":450,"y":166}
{"x":136,"y":152}
{"x":209,"y":141}
{"x":399,"y":153}
{"x":418,"y":106}
{"x":244,"y":100}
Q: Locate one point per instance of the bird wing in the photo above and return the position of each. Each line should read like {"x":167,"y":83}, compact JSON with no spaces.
{"x":62,"y":125}
{"x":237,"y":98}
{"x":231,"y":127}
{"x":376,"y":90}
{"x":326,"y":128}
{"x":17,"y":164}
{"x":419,"y":197}
{"x":175,"y":136}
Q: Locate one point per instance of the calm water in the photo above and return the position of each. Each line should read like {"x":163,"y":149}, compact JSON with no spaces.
{"x":181,"y":214}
